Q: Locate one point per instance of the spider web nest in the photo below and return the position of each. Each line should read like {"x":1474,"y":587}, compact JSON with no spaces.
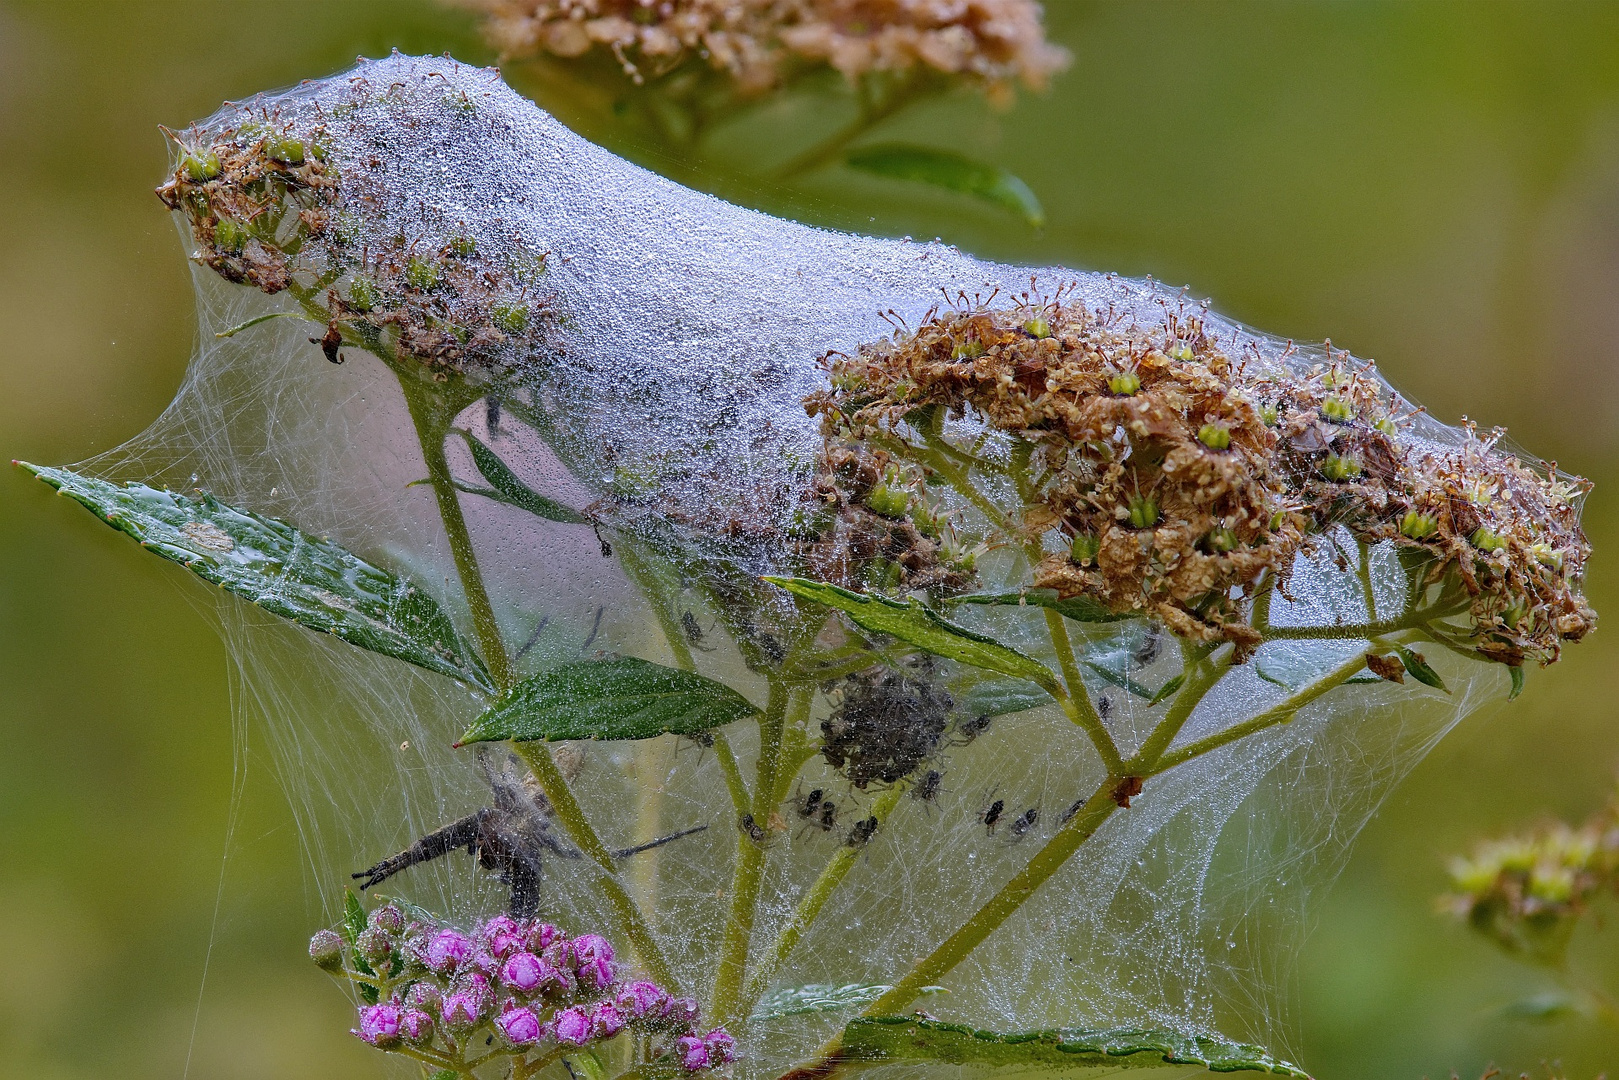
{"x":691,"y":331}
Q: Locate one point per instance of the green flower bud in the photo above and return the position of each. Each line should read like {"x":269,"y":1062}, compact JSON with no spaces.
{"x":1337,"y":411}
{"x":1340,"y":467}
{"x":509,"y":317}
{"x":420,"y":273}
{"x":1473,"y":877}
{"x":463,"y":247}
{"x":1387,"y":426}
{"x":1547,"y":556}
{"x":1514,"y":612}
{"x":887,"y":501}
{"x":1418,"y":526}
{"x":1553,"y":884}
{"x":967,"y":350}
{"x":1084,"y":549}
{"x":1143,"y":512}
{"x":1182,"y":352}
{"x":1124,"y":384}
{"x":1221,"y":539}
{"x":200,"y":165}
{"x":1277,"y":520}
{"x":1516,"y":856}
{"x":1037,"y":327}
{"x":286,"y":149}
{"x":1487,"y":539}
{"x":326,"y":950}
{"x":229,"y":236}
{"x":1269,"y":414}
{"x":364,"y":294}
{"x":1214,"y":436}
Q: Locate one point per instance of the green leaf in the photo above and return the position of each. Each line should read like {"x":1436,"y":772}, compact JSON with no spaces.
{"x":911,"y":1038}
{"x":353,"y":916}
{"x":312,"y":582}
{"x":1077,"y":608}
{"x":1119,"y":679}
{"x":626,"y":698}
{"x":1419,"y":670}
{"x":1291,"y":664}
{"x":821,"y":997}
{"x":1517,"y":681}
{"x":919,"y":625}
{"x":512,"y":491}
{"x":239,"y":327}
{"x":1169,"y":687}
{"x":997,"y":697}
{"x":951,"y":171}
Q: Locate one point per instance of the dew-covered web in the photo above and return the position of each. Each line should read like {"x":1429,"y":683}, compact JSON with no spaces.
{"x":688,"y":333}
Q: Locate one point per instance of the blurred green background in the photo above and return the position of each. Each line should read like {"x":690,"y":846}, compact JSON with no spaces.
{"x":1432,"y":185}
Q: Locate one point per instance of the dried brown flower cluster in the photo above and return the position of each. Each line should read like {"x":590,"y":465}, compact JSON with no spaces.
{"x":1178,"y":476}
{"x":994,"y":42}
{"x":269,"y":209}
{"x":1525,"y":892}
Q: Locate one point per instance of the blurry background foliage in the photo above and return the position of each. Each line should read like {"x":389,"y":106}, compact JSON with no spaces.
{"x":1434,"y":185}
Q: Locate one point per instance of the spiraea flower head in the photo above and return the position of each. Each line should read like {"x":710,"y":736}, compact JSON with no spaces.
{"x":1177,"y":476}
{"x":520,"y":1003}
{"x":757,"y":42}
{"x":273,"y":207}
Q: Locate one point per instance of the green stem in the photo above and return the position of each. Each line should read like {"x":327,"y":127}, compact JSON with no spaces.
{"x":871,"y":114}
{"x":1077,"y":701}
{"x":1366,"y":630}
{"x":954,"y":949}
{"x":1201,"y":677}
{"x":750,"y":859}
{"x":537,"y":757}
{"x":811,"y":903}
{"x":1280,"y":713}
{"x":1364,"y":572}
{"x":432,"y":417}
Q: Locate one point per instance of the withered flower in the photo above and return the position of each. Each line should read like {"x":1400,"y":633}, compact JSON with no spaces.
{"x":1178,"y":477}
{"x":269,"y":207}
{"x":992,"y":42}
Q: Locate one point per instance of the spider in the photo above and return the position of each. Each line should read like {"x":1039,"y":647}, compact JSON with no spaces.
{"x":927,"y":788}
{"x":509,"y":839}
{"x":992,"y":815}
{"x":861,"y":833}
{"x":1024,"y":822}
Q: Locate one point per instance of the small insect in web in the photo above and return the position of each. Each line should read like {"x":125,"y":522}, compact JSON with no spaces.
{"x":968,"y":730}
{"x":510,"y":839}
{"x":991,"y":815}
{"x":1024,"y":822}
{"x":755,"y":831}
{"x":817,"y":810}
{"x":491,"y":415}
{"x":927,"y":789}
{"x":694,"y":632}
{"x":861,"y":832}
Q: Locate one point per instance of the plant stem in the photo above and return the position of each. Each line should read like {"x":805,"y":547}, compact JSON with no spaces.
{"x":1364,"y":572}
{"x":1077,"y":702}
{"x":432,"y":414}
{"x":811,"y":903}
{"x":871,"y":114}
{"x":1201,"y":677}
{"x":428,"y":414}
{"x":1047,"y":861}
{"x":750,"y":858}
{"x":537,"y":757}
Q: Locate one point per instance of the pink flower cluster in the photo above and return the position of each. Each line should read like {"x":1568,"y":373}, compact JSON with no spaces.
{"x":535,"y":988}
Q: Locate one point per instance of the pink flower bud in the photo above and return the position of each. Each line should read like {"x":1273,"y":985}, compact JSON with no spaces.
{"x":692,"y":1053}
{"x":605,"y":1021}
{"x":499,"y":926}
{"x":572,"y":1027}
{"x":520,"y":1026}
{"x":597,"y":974}
{"x":375,"y":946}
{"x":559,"y":954}
{"x":447,"y":951}
{"x":424,"y":996}
{"x":461,"y":1011}
{"x":416,"y":1026}
{"x":387,"y":918}
{"x":524,"y":972}
{"x":591,"y":947}
{"x":682,"y":1012}
{"x":721,"y":1046}
{"x":643,"y":1000}
{"x":540,"y":936}
{"x":379,"y":1024}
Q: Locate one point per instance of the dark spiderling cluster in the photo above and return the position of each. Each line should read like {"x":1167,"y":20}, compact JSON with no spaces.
{"x":885,"y":726}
